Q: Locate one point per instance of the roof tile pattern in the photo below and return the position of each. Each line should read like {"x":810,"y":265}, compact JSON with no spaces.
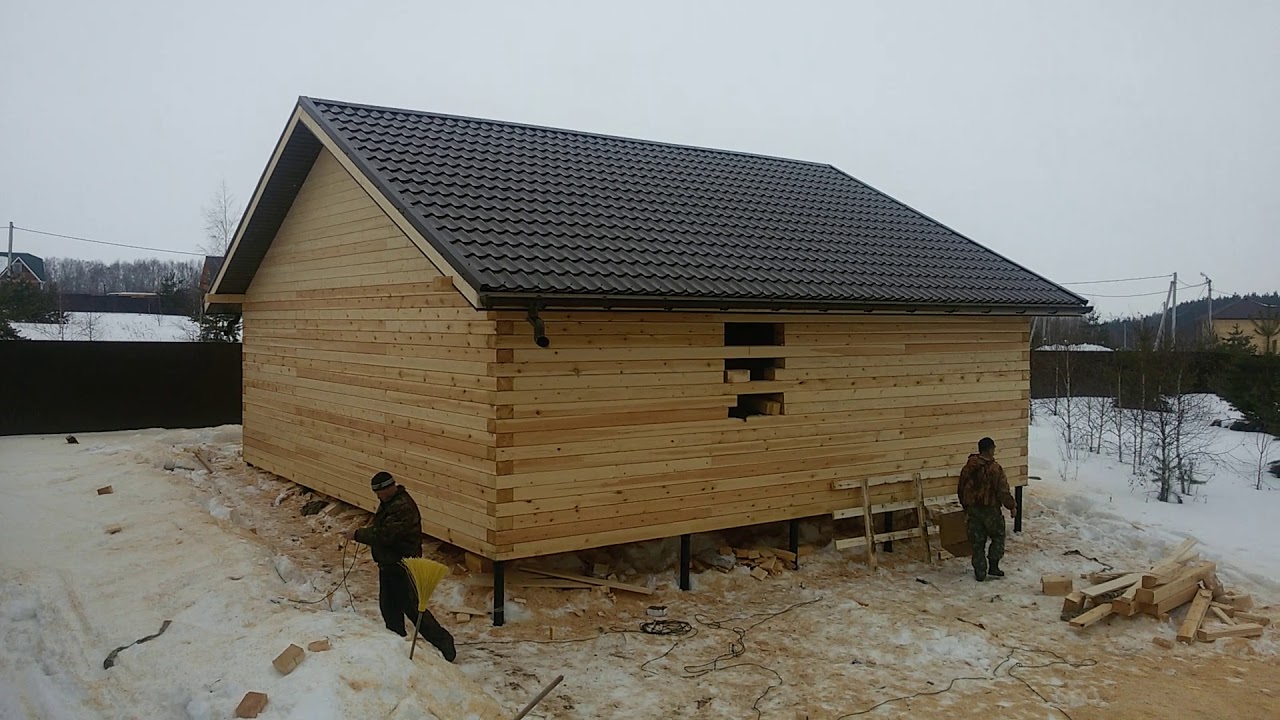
{"x":543,"y":211}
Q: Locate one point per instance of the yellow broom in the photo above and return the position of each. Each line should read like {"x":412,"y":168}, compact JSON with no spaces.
{"x":426,"y":575}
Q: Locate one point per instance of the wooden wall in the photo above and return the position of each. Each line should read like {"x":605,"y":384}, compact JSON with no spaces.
{"x":359,"y":356}
{"x":619,"y":432}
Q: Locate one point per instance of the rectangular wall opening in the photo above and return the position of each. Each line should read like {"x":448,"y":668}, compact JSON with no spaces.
{"x":758,"y":404}
{"x":739,"y":334}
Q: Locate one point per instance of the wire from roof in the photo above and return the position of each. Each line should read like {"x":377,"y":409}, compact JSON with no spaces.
{"x":1119,"y":280}
{"x":104,"y":242}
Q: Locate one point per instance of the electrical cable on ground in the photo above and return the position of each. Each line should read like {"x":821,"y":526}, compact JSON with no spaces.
{"x":341,"y":583}
{"x":686,"y":631}
{"x":995,"y":675}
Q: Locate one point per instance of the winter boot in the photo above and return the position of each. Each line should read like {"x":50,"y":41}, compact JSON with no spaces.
{"x":993,"y":569}
{"x":979,"y":575}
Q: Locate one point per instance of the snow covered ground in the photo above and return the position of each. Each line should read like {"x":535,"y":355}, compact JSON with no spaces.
{"x":1238,"y":523}
{"x":227,"y":556}
{"x":70,"y":593}
{"x":117,"y":327}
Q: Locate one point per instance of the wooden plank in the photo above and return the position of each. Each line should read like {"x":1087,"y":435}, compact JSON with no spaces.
{"x":526,"y":580}
{"x":1091,"y":616}
{"x":1190,"y":577}
{"x":867,"y":519}
{"x":1248,"y":617}
{"x":921,"y":517}
{"x":1126,"y":605}
{"x":1195,"y":616}
{"x":1223,"y":616}
{"x":1119,"y":583}
{"x":1243,"y":630}
{"x":858,"y":542}
{"x":851,"y":484}
{"x":1169,"y":604}
{"x":592,"y":581}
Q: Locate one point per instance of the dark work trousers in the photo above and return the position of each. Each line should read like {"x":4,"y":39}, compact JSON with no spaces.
{"x":985,"y":523}
{"x":397,"y":601}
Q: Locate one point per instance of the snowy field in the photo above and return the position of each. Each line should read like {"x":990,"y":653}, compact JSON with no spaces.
{"x":118,"y":327}
{"x":229,"y":558}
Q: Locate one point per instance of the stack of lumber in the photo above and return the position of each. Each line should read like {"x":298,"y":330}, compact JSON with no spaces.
{"x":764,"y":562}
{"x":1179,"y":579}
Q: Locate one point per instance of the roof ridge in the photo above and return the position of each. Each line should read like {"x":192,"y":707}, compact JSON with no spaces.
{"x":568,"y":131}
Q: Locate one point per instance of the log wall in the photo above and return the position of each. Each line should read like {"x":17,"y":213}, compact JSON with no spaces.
{"x":620,"y":431}
{"x":359,"y":356}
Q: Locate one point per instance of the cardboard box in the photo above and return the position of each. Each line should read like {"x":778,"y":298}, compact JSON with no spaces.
{"x":953,"y":533}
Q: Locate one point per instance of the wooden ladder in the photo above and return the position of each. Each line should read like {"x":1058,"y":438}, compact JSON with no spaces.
{"x":868,"y":510}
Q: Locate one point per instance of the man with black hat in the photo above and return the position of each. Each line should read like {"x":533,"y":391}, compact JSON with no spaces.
{"x":983,"y":489}
{"x":395,"y":534}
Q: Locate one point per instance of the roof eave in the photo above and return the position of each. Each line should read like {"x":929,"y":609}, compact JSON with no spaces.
{"x":525,"y":301}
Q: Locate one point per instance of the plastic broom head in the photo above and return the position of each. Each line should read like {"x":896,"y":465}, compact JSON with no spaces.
{"x":426,"y":575}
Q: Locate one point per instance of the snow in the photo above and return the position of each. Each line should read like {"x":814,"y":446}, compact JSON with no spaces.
{"x":227,"y":557}
{"x":70,"y":593}
{"x":1235,"y":521}
{"x":113,"y":327}
{"x":1083,"y":347}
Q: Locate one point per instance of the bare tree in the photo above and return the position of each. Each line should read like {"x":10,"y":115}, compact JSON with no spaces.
{"x":1180,"y":437}
{"x":1262,"y":445}
{"x":221,"y":216}
{"x":88,"y":326}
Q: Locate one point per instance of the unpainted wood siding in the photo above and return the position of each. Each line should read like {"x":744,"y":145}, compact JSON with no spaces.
{"x":360,"y":356}
{"x":619,"y":431}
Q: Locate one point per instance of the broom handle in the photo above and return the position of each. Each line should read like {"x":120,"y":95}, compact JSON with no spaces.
{"x":534,"y":702}
{"x":414,"y":644}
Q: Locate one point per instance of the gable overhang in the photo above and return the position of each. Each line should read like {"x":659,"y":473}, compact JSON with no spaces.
{"x":295,"y":153}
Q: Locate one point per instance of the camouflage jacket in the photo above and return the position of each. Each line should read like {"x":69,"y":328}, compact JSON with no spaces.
{"x":396,"y":532}
{"x":983,"y":484}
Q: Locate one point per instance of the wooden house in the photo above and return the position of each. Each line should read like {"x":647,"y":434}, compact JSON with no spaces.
{"x":23,"y":267}
{"x":1256,"y":320}
{"x":559,"y":340}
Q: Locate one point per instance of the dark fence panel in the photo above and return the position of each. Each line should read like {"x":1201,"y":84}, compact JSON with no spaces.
{"x":1096,"y":374}
{"x":57,"y":387}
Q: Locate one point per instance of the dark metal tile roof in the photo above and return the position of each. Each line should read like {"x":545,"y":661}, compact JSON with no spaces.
{"x":34,"y":264}
{"x":530,"y":210}
{"x":1246,"y":309}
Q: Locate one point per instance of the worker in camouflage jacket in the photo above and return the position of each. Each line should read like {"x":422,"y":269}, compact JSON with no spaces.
{"x":983,"y":490}
{"x":395,"y":534}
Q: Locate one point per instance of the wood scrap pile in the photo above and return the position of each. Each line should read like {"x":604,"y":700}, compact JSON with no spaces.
{"x":764,"y":562}
{"x":1179,"y":579}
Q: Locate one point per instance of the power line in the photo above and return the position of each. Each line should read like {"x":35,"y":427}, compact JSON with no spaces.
{"x":1119,"y":280}
{"x":1150,"y":294}
{"x":104,"y":242}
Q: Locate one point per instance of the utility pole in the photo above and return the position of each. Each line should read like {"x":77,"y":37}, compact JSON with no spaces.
{"x":1208,"y":281}
{"x":10,"y":258}
{"x":1173,"y":317}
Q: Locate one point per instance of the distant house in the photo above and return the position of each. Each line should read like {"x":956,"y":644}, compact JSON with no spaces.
{"x":25,"y":267}
{"x":1250,"y":317}
{"x":209,"y":272}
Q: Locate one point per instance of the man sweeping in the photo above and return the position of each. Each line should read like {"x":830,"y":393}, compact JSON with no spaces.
{"x":395,"y":534}
{"x":983,"y":489}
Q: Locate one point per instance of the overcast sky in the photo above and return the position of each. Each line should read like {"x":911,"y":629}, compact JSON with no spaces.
{"x":1087,"y":141}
